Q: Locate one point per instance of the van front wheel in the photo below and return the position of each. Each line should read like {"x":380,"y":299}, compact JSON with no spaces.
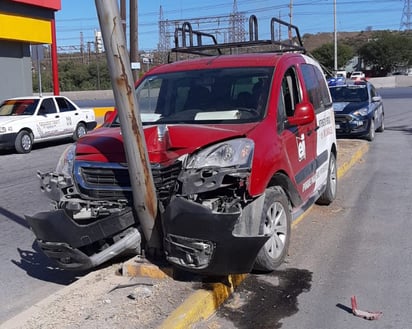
{"x":275,"y":223}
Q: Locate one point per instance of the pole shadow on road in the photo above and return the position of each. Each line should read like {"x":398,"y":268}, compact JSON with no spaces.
{"x":17,"y":219}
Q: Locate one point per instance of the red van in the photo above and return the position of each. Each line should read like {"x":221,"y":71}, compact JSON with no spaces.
{"x":239,"y":146}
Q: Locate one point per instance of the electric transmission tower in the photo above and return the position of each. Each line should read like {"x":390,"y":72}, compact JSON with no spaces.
{"x":406,"y":16}
{"x":164,"y":44}
{"x":230,"y":27}
{"x":236,"y":25}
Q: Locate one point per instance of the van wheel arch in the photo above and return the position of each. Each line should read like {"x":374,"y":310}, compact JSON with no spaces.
{"x":282,"y":180}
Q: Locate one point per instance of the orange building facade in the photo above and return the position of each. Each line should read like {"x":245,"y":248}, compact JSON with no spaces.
{"x":24,"y":23}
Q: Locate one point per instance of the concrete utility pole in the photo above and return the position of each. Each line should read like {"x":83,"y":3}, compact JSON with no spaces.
{"x":290,"y":20}
{"x":144,"y":193}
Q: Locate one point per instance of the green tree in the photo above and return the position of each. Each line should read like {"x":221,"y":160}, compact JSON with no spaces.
{"x":46,"y":82}
{"x":99,"y":73}
{"x":387,"y":50}
{"x":325,"y":55}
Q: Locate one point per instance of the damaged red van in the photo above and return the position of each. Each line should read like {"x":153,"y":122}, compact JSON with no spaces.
{"x":239,"y":145}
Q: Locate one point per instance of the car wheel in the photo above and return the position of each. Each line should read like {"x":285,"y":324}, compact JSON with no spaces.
{"x":331,"y":185}
{"x":80,"y":131}
{"x":23,"y":142}
{"x":276,"y":223}
{"x":381,"y":129}
{"x":371,"y":133}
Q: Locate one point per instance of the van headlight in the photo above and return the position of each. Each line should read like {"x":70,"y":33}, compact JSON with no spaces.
{"x":65,"y":163}
{"x":233,"y":153}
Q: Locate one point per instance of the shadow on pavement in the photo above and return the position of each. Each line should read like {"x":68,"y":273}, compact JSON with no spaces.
{"x":38,"y":266}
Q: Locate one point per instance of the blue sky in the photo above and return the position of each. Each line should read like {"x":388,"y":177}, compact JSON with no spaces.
{"x":79,"y":17}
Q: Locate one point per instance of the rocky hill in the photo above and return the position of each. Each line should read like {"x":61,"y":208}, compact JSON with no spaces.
{"x":313,"y":41}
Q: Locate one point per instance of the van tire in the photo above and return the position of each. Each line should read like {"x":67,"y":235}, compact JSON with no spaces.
{"x":276,"y":222}
{"x":332,"y":183}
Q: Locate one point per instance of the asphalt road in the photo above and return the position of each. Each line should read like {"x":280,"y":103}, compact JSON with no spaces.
{"x":26,"y":274}
{"x":329,"y":257}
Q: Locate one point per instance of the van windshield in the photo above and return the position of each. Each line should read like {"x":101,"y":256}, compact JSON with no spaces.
{"x":205,"y":96}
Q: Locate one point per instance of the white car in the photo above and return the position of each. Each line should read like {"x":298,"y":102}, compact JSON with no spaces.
{"x":356,"y":75}
{"x":28,"y":120}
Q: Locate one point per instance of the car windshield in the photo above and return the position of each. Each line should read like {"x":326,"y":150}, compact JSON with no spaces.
{"x":18,"y":107}
{"x":234,"y":95}
{"x":349,"y":94}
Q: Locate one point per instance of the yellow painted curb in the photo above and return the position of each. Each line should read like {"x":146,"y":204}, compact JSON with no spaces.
{"x":343,"y":169}
{"x":133,"y":268}
{"x":202,"y":304}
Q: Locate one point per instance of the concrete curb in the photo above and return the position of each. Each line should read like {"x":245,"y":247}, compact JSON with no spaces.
{"x":202,"y":304}
{"x":344,"y":167}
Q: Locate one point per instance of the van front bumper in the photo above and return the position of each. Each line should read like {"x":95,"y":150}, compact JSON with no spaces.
{"x":202,"y":241}
{"x":79,"y":247}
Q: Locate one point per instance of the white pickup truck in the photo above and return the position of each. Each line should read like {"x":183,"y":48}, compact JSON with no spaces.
{"x":28,"y":120}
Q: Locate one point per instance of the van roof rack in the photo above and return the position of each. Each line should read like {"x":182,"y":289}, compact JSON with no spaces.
{"x":194,"y":42}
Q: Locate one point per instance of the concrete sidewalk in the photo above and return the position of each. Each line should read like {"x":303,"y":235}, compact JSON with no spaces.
{"x":140,"y":295}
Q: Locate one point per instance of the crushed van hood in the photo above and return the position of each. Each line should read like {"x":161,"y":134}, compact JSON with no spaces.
{"x":164,"y":142}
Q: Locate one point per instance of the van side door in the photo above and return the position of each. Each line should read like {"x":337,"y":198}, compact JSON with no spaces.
{"x":299,"y":141}
{"x":317,"y":93}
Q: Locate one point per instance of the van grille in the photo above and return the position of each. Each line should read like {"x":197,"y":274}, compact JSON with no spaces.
{"x":111,"y":181}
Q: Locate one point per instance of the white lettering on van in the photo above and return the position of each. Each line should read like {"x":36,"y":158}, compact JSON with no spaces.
{"x":301,"y":147}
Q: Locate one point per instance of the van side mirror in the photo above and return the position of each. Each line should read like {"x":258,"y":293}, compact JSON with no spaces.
{"x":304,"y":114}
{"x":107,"y":116}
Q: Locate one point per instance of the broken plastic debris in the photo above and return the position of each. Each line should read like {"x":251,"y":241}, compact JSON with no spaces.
{"x":368,"y":315}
